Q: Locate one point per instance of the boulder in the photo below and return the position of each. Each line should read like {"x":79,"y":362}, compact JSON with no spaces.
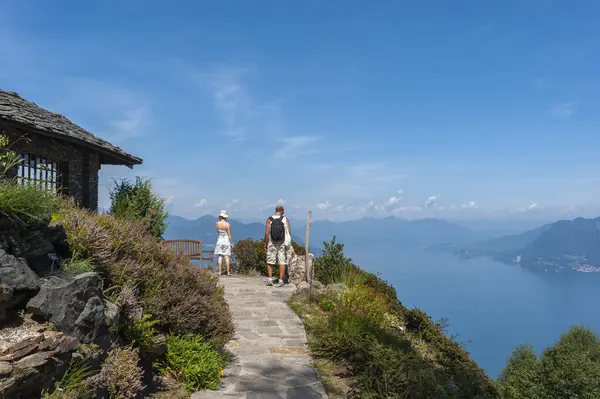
{"x":15,"y":273}
{"x":35,"y":245}
{"x":73,"y":305}
{"x":297,"y":266}
{"x":112,"y":316}
{"x":90,"y":319}
{"x":303,"y":288}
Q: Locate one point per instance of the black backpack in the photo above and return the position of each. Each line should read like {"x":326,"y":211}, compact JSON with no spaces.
{"x":277,"y":229}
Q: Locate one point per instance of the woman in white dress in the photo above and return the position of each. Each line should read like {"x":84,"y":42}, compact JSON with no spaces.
{"x":224,"y":241}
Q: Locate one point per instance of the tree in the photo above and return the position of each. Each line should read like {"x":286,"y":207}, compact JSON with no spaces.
{"x":138,"y":202}
{"x":568,"y":369}
{"x":332,"y":266}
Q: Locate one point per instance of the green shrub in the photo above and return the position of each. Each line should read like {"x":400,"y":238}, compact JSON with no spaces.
{"x":193,"y":361}
{"x":138,"y":202}
{"x":332,"y":266}
{"x":568,"y":369}
{"x":327,"y":305}
{"x":249,"y":255}
{"x":185,"y":299}
{"x":141,"y":332}
{"x":121,"y":373}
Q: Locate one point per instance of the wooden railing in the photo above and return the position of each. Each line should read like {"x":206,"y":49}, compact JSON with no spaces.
{"x":193,"y":250}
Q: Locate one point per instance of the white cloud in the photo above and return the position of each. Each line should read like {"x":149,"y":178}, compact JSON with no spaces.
{"x":235,"y":201}
{"x":533,"y":207}
{"x":201,"y":203}
{"x":130,"y":124}
{"x":323,"y":205}
{"x":281,"y":201}
{"x":344,"y":208}
{"x":563,"y":111}
{"x":394,"y":199}
{"x":432,"y":201}
{"x":470,"y":205}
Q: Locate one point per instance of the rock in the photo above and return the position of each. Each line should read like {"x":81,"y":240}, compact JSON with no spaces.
{"x":317,"y":285}
{"x":5,"y":368}
{"x":73,"y":305}
{"x":35,"y":245}
{"x":32,"y":361}
{"x":15,"y":273}
{"x":298,"y":267}
{"x":159,"y":346}
{"x":33,"y":374}
{"x":303,"y":288}
{"x":67,"y":344}
{"x":4,"y":347}
{"x":90,"y":319}
{"x":26,"y":342}
{"x":112,"y":316}
{"x":6,"y":292}
{"x":51,"y":340}
{"x":11,"y":357}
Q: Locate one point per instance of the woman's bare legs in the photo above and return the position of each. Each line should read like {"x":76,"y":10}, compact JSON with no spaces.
{"x":227,"y":264}
{"x":219,"y":262}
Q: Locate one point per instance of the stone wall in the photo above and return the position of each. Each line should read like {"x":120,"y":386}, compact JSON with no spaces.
{"x":83,"y":164}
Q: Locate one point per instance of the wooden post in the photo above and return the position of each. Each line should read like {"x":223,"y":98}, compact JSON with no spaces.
{"x":306,"y":262}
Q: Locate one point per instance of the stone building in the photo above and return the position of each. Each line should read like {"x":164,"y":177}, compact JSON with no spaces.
{"x":55,"y":152}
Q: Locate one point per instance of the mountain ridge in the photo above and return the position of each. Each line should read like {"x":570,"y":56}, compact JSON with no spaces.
{"x":561,"y":246}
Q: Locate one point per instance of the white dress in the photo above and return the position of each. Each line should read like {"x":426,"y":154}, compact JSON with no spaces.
{"x":223,"y":246}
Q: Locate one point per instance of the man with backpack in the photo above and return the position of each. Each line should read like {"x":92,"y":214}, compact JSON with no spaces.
{"x":277,"y":239}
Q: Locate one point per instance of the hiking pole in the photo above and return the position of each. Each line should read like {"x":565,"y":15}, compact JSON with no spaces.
{"x":306,"y":255}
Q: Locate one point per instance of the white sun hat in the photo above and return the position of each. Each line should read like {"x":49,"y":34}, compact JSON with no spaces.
{"x":223,"y":214}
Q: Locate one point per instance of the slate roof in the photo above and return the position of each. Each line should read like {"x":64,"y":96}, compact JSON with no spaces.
{"x":16,"y":109}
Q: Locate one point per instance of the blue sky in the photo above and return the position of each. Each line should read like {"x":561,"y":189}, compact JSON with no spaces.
{"x":460,"y":110}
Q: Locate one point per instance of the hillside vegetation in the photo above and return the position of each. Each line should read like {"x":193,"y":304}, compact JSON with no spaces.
{"x":163,"y":300}
{"x":368,"y":345}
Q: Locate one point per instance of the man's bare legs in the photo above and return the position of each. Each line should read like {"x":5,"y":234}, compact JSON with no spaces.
{"x":281,"y":272}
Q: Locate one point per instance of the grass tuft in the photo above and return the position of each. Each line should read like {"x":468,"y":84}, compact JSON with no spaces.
{"x":26,"y":204}
{"x":192,"y":360}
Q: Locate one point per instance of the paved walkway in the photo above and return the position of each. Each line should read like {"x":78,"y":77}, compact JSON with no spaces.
{"x":270,"y":344}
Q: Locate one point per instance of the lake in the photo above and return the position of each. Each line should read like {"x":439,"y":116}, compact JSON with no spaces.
{"x":494,"y":305}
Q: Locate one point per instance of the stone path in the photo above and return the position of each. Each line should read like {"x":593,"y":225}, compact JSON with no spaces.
{"x":272,"y":359}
